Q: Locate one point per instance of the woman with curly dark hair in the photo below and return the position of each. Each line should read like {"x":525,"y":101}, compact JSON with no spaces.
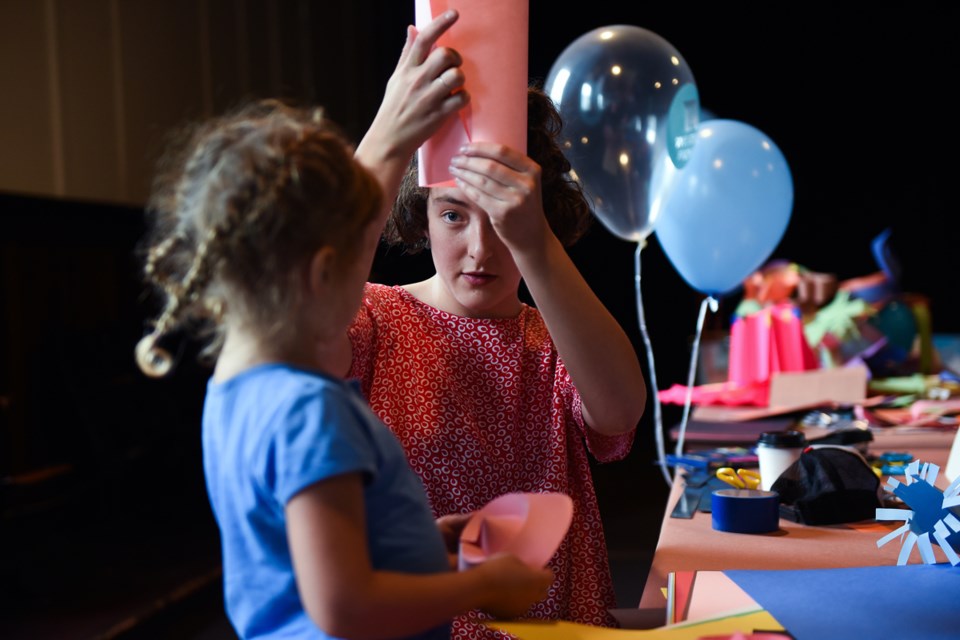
{"x":488,"y":394}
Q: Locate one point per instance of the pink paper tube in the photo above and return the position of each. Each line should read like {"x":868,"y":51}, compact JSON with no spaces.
{"x":492,"y":37}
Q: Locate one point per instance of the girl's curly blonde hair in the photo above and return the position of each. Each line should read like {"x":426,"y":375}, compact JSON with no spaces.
{"x":239,"y":202}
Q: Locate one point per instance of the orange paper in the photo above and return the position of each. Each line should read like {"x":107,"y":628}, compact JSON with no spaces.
{"x":713,"y":594}
{"x":492,"y":38}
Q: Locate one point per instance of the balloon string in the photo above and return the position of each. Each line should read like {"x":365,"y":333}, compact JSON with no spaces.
{"x":657,"y":415}
{"x":709,"y":300}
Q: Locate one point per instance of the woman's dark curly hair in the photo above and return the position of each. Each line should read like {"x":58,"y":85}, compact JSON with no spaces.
{"x":564,"y":202}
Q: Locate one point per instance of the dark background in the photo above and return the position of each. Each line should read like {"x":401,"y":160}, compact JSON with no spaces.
{"x":858,"y":100}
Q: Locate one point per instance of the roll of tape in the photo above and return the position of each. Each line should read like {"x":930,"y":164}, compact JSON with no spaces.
{"x":745,"y":510}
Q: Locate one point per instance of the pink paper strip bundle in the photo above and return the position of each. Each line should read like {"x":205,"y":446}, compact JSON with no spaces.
{"x":766,"y":342}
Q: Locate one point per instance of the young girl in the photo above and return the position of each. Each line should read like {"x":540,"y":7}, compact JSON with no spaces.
{"x":263,"y":235}
{"x":487,"y":394}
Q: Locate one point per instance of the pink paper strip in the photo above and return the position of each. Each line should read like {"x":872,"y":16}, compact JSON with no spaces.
{"x":766,"y":342}
{"x":790,"y":341}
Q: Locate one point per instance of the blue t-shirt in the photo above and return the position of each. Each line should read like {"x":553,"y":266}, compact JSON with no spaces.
{"x":269,"y":433}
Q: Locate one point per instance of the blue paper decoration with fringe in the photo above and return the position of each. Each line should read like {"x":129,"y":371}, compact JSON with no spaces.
{"x":933,"y":517}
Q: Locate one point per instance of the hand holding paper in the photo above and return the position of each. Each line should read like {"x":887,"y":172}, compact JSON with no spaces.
{"x":491,"y":36}
{"x":424,"y":91}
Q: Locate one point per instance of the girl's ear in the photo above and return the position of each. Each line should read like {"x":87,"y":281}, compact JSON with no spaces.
{"x":320,"y":270}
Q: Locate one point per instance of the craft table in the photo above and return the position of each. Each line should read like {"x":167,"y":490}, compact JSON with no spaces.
{"x":693,"y":544}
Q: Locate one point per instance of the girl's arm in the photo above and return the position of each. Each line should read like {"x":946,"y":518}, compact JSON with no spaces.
{"x":600,"y":358}
{"x":346,"y":597}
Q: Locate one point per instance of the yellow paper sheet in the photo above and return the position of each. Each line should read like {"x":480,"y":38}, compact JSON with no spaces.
{"x":545,"y":630}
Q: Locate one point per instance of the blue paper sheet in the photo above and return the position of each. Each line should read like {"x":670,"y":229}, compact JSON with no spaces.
{"x":915,"y":602}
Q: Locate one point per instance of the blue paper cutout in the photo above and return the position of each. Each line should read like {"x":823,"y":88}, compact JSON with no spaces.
{"x":933,"y":517}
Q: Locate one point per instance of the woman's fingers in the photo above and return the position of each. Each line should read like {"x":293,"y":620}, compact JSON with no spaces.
{"x":497,"y":154}
{"x":428,"y":36}
{"x":495,"y":168}
{"x":432,"y":68}
{"x":451,"y":79}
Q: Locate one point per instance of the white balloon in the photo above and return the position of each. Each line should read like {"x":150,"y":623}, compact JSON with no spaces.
{"x":628,"y":101}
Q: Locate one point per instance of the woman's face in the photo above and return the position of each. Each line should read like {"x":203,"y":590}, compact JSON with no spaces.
{"x":478,"y":274}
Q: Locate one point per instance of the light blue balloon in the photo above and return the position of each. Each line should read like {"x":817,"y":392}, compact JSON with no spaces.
{"x":628,"y":101}
{"x":726,"y":210}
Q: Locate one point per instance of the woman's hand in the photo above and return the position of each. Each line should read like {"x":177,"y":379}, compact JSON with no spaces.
{"x":506,"y":184}
{"x":598,"y":354}
{"x":425,"y":88}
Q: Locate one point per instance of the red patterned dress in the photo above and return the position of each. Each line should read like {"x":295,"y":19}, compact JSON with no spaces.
{"x":485,"y":407}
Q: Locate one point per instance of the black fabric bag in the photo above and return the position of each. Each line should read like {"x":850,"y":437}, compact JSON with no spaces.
{"x":829,"y":485}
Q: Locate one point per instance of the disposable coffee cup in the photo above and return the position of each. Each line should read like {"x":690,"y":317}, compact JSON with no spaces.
{"x":776,"y":451}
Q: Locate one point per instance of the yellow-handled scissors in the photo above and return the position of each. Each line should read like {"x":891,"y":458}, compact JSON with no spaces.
{"x":739,"y":478}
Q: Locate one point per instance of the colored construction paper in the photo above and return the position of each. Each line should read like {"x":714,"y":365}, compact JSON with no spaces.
{"x":768,"y":341}
{"x":782,"y":392}
{"x":528,"y":525}
{"x":750,"y":636}
{"x":750,"y":343}
{"x":705,"y":595}
{"x":911,"y":601}
{"x":679,"y":586}
{"x":492,"y":39}
{"x":714,"y":594}
{"x":719,"y":393}
{"x":843,"y":385}
{"x":728,"y":626}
